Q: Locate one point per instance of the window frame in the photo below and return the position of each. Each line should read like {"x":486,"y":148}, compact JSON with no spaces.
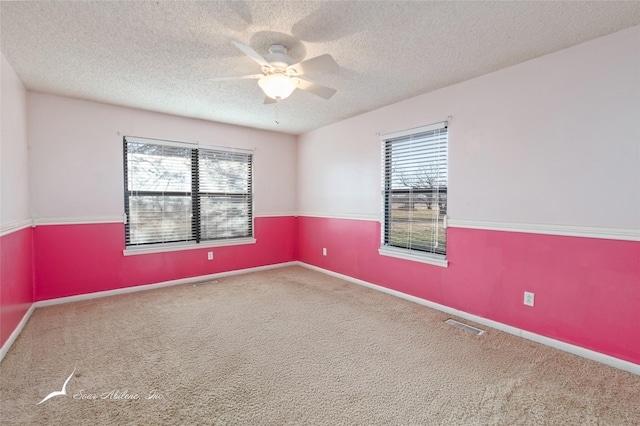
{"x":195,"y":242}
{"x":387,"y":249}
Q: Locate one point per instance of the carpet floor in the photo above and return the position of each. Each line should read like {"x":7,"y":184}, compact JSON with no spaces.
{"x":292,"y":346}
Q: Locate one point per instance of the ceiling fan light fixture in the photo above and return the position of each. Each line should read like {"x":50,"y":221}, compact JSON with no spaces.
{"x":277,"y":86}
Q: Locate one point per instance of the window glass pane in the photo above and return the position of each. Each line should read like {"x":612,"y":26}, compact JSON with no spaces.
{"x":417,"y":223}
{"x":157,"y":219}
{"x":158,"y":168}
{"x":224,"y":217}
{"x":224,"y":172}
{"x":419,"y":161}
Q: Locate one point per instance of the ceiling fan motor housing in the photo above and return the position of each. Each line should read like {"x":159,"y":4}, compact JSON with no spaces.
{"x":278,"y":57}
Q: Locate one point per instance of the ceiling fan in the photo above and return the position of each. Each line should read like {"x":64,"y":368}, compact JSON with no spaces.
{"x":281,"y":76}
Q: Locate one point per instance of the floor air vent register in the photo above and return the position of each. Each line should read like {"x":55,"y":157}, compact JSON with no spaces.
{"x":466,"y":327}
{"x":205,"y":283}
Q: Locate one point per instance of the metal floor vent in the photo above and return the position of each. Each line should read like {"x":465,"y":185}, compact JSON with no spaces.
{"x":205,"y":283}
{"x":470,"y":329}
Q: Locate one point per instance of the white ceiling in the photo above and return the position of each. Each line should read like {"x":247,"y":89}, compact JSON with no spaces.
{"x":158,"y":55}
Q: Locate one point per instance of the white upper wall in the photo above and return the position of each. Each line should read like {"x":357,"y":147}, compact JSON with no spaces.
{"x":77,"y":156}
{"x":555,"y":140}
{"x":14,"y":148}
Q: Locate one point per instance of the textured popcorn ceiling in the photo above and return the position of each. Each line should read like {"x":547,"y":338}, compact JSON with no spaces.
{"x":159,"y":55}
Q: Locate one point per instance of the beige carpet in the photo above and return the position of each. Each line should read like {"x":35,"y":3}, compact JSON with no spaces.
{"x":293,"y":346}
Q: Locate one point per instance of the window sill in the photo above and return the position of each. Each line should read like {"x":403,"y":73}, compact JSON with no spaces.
{"x":431,"y":259}
{"x":162,"y":248}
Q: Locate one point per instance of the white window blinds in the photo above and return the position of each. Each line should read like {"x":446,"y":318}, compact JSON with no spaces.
{"x":415,"y":176}
{"x":175,"y":192}
{"x":224,"y":194}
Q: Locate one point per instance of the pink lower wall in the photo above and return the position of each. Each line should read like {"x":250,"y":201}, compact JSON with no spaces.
{"x":80,"y":259}
{"x":587,"y":291}
{"x":16,"y":280}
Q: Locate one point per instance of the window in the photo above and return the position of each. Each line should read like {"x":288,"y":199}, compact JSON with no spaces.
{"x":177,"y":192}
{"x":415,"y":193}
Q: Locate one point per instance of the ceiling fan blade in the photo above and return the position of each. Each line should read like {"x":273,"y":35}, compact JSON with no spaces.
{"x":319,"y":64}
{"x":268,"y":100}
{"x":251,"y":53}
{"x":241,"y":77}
{"x":315,"y":88}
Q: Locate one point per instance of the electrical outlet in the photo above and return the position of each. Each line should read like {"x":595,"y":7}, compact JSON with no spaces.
{"x":210,"y":255}
{"x":324,"y":251}
{"x":528,"y":298}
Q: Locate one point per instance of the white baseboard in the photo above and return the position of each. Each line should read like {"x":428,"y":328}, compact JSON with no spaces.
{"x":557,"y":344}
{"x":7,"y":345}
{"x":125,"y":290}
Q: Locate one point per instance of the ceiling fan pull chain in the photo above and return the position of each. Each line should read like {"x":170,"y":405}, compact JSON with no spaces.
{"x":277,"y":114}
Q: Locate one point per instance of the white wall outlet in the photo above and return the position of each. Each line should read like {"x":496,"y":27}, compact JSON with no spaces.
{"x":324,"y":251}
{"x":528,"y":298}
{"x":210,"y":255}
